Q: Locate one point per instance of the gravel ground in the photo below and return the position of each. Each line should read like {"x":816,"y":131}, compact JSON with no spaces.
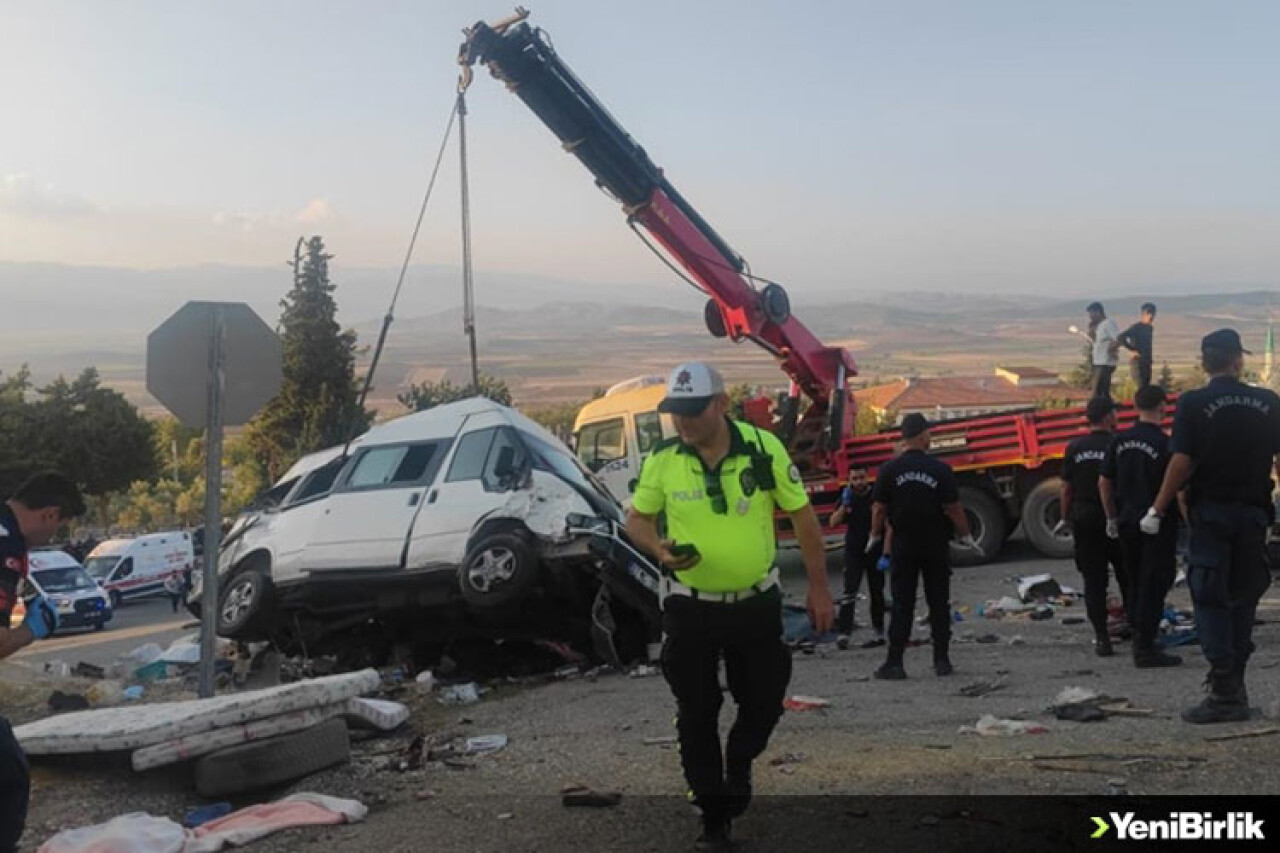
{"x":875,"y":738}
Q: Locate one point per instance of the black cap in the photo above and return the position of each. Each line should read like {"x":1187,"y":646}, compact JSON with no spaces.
{"x":914,"y":424}
{"x":1099,"y":408}
{"x":1224,"y":340}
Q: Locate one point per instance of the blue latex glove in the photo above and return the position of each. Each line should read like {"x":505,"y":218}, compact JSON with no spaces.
{"x":42,"y":619}
{"x":884,"y":564}
{"x":846,"y":498}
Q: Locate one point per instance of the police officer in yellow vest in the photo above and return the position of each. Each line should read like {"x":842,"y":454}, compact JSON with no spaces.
{"x":717,"y":485}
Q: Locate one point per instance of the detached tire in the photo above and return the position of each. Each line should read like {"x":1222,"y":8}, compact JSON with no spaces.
{"x":500,"y":568}
{"x":986,"y":522}
{"x":244,"y":606}
{"x":253,"y":766}
{"x":1041,"y":512}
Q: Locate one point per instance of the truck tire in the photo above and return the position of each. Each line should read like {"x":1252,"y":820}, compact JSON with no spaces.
{"x":1040,"y":513}
{"x":261,"y":764}
{"x":986,"y":522}
{"x":499,"y":569}
{"x":244,"y":607}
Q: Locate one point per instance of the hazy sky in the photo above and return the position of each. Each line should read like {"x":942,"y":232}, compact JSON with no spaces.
{"x":961,"y":145}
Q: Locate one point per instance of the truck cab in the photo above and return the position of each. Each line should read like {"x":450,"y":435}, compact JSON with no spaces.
{"x":615,"y":434}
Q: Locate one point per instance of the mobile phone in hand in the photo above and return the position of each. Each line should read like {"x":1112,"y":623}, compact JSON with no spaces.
{"x":684,"y":551}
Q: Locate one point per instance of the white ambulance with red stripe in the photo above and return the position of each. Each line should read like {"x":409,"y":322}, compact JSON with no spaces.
{"x":138,"y":567}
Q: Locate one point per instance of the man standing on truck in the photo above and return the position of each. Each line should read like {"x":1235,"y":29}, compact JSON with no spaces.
{"x":1139,"y":338}
{"x":30,"y":518}
{"x":1226,"y":443}
{"x":717,"y":484}
{"x":1097,"y":540}
{"x":1131,"y":476}
{"x":917,"y":496}
{"x":1105,"y":335}
{"x":855,"y":512}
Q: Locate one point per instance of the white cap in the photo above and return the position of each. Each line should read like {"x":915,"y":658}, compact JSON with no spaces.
{"x":690,"y":388}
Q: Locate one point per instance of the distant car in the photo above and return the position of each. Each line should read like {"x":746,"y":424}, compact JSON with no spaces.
{"x":444,"y":523}
{"x":138,"y":567}
{"x":77,"y":597}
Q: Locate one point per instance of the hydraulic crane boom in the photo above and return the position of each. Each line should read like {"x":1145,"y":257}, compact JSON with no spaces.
{"x":523,"y":58}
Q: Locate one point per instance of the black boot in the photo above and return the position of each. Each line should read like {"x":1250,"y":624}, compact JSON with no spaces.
{"x":942,"y":664}
{"x":1147,"y":656}
{"x":1227,"y":701}
{"x":892,"y":669}
{"x":1238,"y":672}
{"x":1102,"y":644}
{"x":715,"y":835}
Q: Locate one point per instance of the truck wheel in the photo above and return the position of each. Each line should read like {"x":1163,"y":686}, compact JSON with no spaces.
{"x":499,"y":568}
{"x":986,"y":522}
{"x":1040,"y":514}
{"x":244,"y":607}
{"x":253,"y":766}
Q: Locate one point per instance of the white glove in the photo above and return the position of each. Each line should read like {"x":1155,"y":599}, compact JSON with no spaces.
{"x":1062,"y":528}
{"x":1150,"y":523}
{"x":968,"y":543}
{"x":872,"y":542}
{"x":1113,"y":528}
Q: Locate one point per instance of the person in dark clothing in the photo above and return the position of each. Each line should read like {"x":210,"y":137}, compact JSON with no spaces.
{"x":1097,"y":543}
{"x":1131,"y":476}
{"x":1226,"y":444}
{"x":854,"y":512}
{"x":1140,"y":340}
{"x":917,"y":496}
{"x":30,"y":518}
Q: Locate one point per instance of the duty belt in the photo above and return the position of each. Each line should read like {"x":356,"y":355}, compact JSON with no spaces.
{"x":670,"y":586}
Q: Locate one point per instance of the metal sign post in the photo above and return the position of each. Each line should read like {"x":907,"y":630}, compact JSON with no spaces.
{"x":212,"y":502}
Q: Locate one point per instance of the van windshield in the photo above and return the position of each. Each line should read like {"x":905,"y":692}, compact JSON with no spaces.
{"x":567,"y":467}
{"x":66,"y":579}
{"x":100,"y":567}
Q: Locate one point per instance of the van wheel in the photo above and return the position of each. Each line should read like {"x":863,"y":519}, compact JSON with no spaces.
{"x":243,"y":609}
{"x":1041,"y":512}
{"x":499,"y":568}
{"x":116,"y":599}
{"x":987,"y":524}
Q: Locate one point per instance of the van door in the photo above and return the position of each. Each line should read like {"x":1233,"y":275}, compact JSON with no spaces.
{"x":366,"y":520}
{"x":602,"y":447}
{"x":480,"y":477}
{"x":295,"y":521}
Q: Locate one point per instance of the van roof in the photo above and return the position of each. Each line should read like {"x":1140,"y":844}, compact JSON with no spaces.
{"x":110,"y":548}
{"x":641,"y":399}
{"x":53,"y":559}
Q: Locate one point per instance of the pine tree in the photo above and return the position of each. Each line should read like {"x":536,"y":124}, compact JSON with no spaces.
{"x":317,"y":406}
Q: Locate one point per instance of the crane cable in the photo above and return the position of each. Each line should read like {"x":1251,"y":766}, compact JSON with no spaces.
{"x":458,"y":106}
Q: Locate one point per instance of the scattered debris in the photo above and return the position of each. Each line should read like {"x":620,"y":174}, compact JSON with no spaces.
{"x":1041,"y":613}
{"x":88,"y":670}
{"x":929,"y":820}
{"x":1074,"y":696}
{"x":582,"y":797}
{"x":506,"y":816}
{"x":661,"y":741}
{"x":1074,"y":620}
{"x":426,"y":681}
{"x":204,"y":814}
{"x":105,"y":694}
{"x":1016,"y":640}
{"x":805,"y":703}
{"x":485,"y":743}
{"x":991,"y":726}
{"x":134,"y":693}
{"x":60,"y":702}
{"x":1271,"y":730}
{"x":644,"y":671}
{"x":459,"y":694}
{"x":1083,"y":712}
{"x":1038,"y":588}
{"x":788,"y":758}
{"x":425,"y":794}
{"x":982,"y":688}
{"x":987,"y":639}
{"x":57,"y":669}
{"x":378,"y":713}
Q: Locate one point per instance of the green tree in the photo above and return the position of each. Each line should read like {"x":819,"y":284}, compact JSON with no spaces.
{"x":428,"y":395}
{"x":1081,"y":375}
{"x":558,"y":418}
{"x":317,"y":406}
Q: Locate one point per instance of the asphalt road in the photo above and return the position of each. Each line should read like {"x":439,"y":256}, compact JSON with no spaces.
{"x":147,"y":620}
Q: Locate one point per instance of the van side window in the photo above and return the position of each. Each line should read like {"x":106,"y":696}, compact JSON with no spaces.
{"x":320,"y":481}
{"x":469,"y":458}
{"x":648,"y":431}
{"x":395,"y":465}
{"x":125,"y":568}
{"x":601,"y":443}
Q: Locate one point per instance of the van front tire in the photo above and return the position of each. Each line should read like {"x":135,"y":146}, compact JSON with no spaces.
{"x":244,"y":606}
{"x":499,"y":569}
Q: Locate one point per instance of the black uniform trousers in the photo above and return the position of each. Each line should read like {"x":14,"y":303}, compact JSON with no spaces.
{"x":1227,"y":574}
{"x":1140,"y":370}
{"x":15,"y":789}
{"x":913,"y":561}
{"x":857,"y":563}
{"x":1095,"y":552}
{"x":1150,"y":563}
{"x":748,"y":636}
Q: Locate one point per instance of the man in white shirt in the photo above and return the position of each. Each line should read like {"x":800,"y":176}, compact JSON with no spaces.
{"x":1105,"y":335}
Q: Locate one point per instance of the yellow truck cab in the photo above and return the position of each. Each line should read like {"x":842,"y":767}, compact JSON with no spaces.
{"x":614,"y":434}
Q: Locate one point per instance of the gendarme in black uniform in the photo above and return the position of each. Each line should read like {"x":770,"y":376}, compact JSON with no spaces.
{"x":916,"y":488}
{"x":1140,"y":338}
{"x":1094,"y":550}
{"x":1231,"y":432}
{"x":1135,"y":464}
{"x":14,"y":782}
{"x":858,"y":562}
